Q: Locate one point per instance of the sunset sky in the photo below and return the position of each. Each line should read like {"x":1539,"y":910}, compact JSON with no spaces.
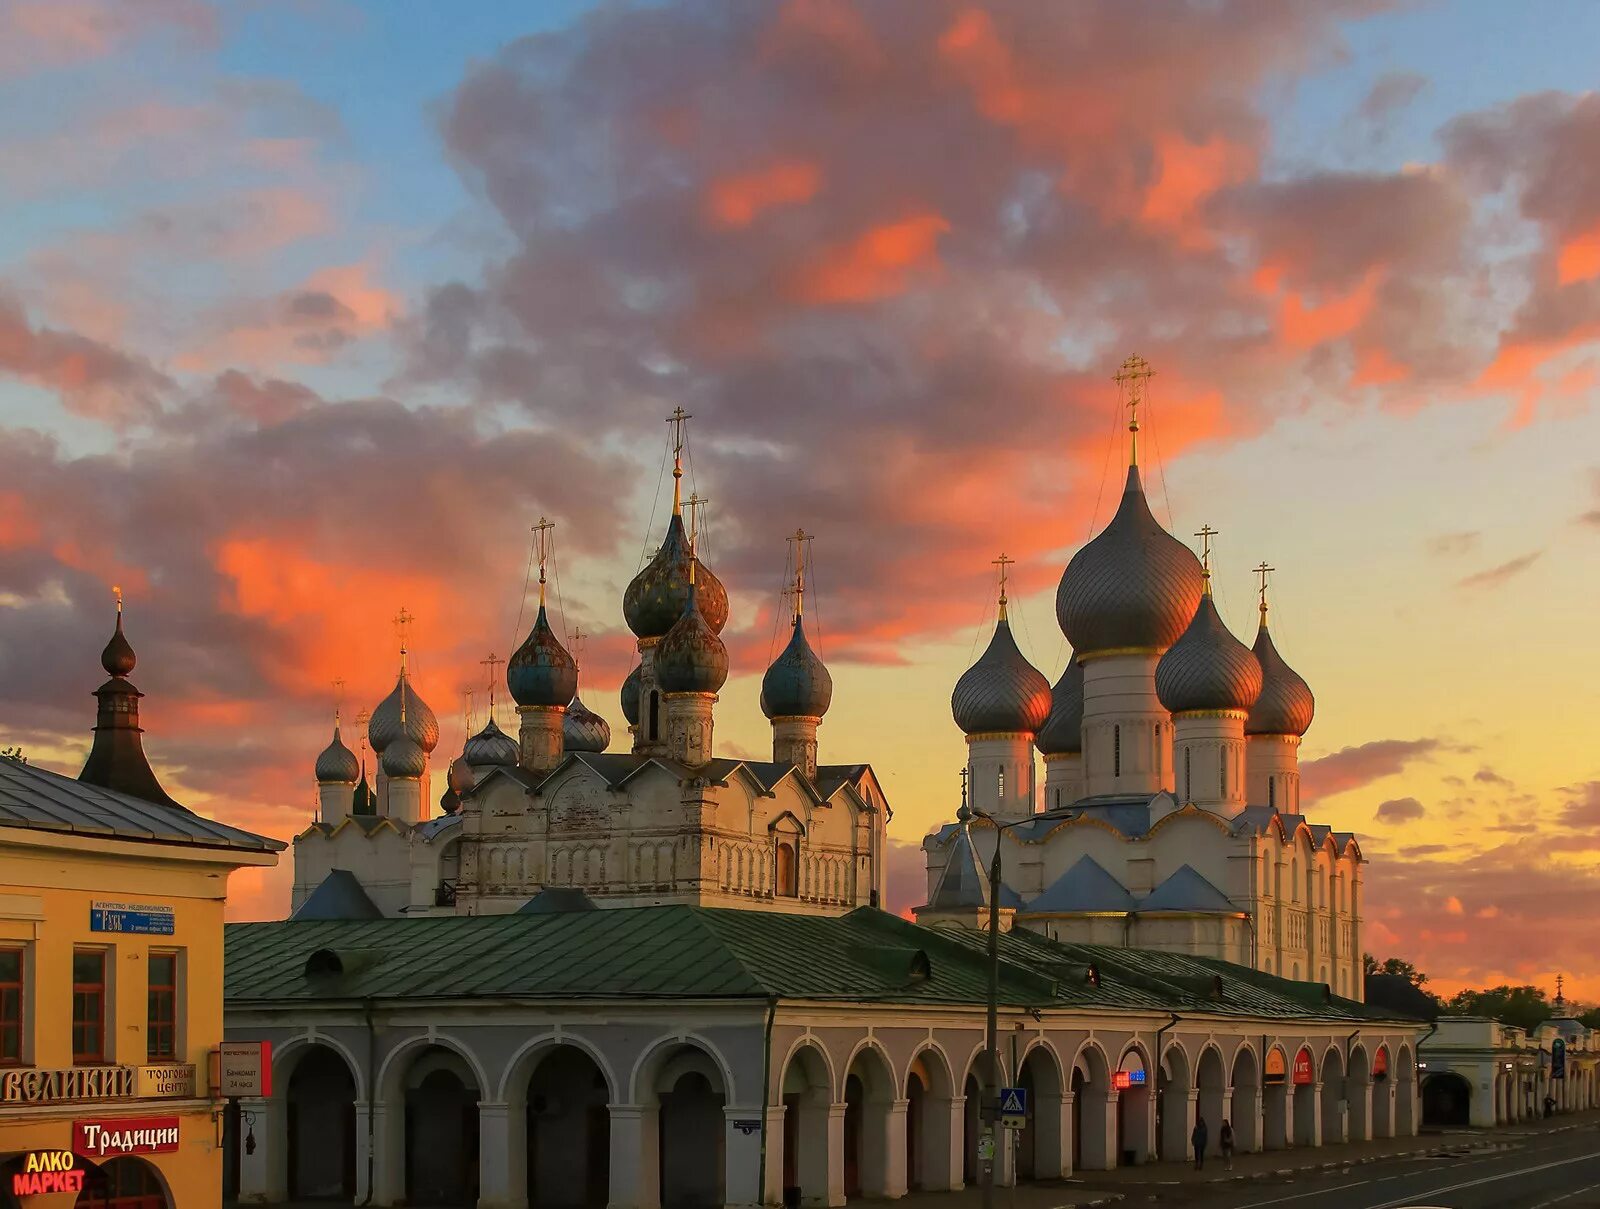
{"x":308,"y":311}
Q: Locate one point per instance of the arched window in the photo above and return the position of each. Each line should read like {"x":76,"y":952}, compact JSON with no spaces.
{"x":1116,"y":751}
{"x":655,"y":714}
{"x":1000,"y":783}
{"x":1294,"y":878}
{"x":788,"y":882}
{"x":1188,"y":784}
{"x":1222,"y":772}
{"x":1272,"y":792}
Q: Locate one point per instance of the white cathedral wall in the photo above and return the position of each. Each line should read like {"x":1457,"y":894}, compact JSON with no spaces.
{"x":1127,"y":735}
{"x":381,"y":862}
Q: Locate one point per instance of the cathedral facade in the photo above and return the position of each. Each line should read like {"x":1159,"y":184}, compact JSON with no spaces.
{"x":1169,"y":814}
{"x":666,"y":822}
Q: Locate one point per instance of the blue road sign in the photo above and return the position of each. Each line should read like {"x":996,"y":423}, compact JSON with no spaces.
{"x":1013,"y":1101}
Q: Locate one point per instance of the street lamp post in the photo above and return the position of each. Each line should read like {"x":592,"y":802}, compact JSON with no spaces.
{"x":991,"y":1039}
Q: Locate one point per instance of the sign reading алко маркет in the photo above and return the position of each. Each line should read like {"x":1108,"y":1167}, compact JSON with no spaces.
{"x":148,"y":919}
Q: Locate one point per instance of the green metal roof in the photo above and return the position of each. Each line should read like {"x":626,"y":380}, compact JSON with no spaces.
{"x":680,"y":952}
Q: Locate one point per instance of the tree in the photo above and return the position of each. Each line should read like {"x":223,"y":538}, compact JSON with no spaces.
{"x":1524,"y":1006}
{"x":14,"y":754}
{"x":1393,"y":965}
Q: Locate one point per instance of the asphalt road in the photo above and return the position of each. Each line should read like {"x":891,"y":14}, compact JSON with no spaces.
{"x":1559,"y":1171}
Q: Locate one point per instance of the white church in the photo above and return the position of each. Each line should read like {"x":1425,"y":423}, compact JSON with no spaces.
{"x":666,"y":822}
{"x":1169,"y":816}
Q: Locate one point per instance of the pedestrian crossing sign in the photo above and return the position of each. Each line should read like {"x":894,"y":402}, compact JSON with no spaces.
{"x":1014,"y":1107}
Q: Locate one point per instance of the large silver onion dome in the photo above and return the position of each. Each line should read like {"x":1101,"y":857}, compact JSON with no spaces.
{"x":1285,"y":706}
{"x":632,"y":689}
{"x":338,"y":764}
{"x":583,"y":729}
{"x":491,"y":747}
{"x":385,"y":725}
{"x":1002,"y":691}
{"x":1062,"y":732}
{"x":541,"y":672}
{"x":1208,"y":668}
{"x":1134,"y":587}
{"x":404,"y":758}
{"x":659,"y":594}
{"x":798,"y":684}
{"x":690,"y":657}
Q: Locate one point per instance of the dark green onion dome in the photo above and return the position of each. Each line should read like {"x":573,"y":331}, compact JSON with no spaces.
{"x":362,"y":799}
{"x":797,"y":685}
{"x":1207,"y":668}
{"x":385,"y":725}
{"x":118,"y":658}
{"x":337,"y":764}
{"x":632,"y":690}
{"x":583,"y":729}
{"x":1134,"y":587}
{"x":491,"y":747}
{"x":404,"y":758}
{"x":541,"y":672}
{"x":690,"y":658}
{"x":1062,"y":732}
{"x":449,"y":801}
{"x":460,"y":777}
{"x":1285,"y":706}
{"x":659,"y":594}
{"x":1002,"y":691}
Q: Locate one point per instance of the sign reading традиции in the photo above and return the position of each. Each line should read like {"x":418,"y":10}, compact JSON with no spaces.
{"x":149,"y":919}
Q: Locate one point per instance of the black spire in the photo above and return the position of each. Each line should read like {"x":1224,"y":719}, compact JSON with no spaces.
{"x":117,"y":760}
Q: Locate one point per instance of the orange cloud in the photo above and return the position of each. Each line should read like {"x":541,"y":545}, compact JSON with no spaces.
{"x":1579,"y":258}
{"x":877,"y":263}
{"x":737,"y":201}
{"x":1188,"y":173}
{"x":1305,"y":325}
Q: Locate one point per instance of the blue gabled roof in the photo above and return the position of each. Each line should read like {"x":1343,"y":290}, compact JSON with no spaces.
{"x":963,"y":884}
{"x":338,"y":896}
{"x":1084,"y":887}
{"x":1187,"y":890}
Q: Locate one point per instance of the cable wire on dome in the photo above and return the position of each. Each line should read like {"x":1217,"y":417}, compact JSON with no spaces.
{"x":522,"y":603}
{"x":655,"y":505}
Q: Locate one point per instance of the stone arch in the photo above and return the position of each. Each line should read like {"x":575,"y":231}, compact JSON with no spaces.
{"x":514,"y":1082}
{"x":1332,"y":1079}
{"x":126,"y":1180}
{"x":1211,"y":1094}
{"x":1446,"y":1099}
{"x":558,"y":1089}
{"x":1244,"y":1079}
{"x":869,"y":1091}
{"x":1358,"y":1094}
{"x":1306,"y":1102}
{"x":1174,"y":1080}
{"x":972,"y":1085}
{"x":1382,"y":1095}
{"x":432,"y":1085}
{"x":684,"y":1084}
{"x":1039,"y":1150}
{"x":1405,"y":1092}
{"x":647,"y":1068}
{"x":391,"y":1069}
{"x":320,"y":1125}
{"x":930,"y":1095}
{"x":287,"y":1055}
{"x":1276,"y":1130}
{"x":1135,"y":1111}
{"x":1093,"y":1139}
{"x":805,"y":1090}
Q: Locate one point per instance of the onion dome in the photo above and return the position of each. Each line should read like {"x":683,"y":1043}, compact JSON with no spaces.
{"x":449,"y":801}
{"x":418,"y":723}
{"x":1002,"y":691}
{"x":1285,"y":706}
{"x":1062,"y":732}
{"x":690,"y":657}
{"x":583,"y":729}
{"x":1207,"y":668}
{"x":541,"y":672}
{"x":404,"y":758}
{"x":460,"y":777}
{"x":632,"y":690}
{"x":491,"y":747}
{"x":797,"y":685}
{"x":337,"y":764}
{"x":118,"y":658}
{"x":362,"y":799}
{"x":1134,"y":587}
{"x":659,"y":594}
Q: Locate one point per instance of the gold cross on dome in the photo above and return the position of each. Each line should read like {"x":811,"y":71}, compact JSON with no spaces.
{"x":575,"y":641}
{"x":402,"y":628}
{"x":338,"y":699}
{"x":1003,"y":562}
{"x":797,"y":591}
{"x":541,"y":534}
{"x":1132,"y":378}
{"x":1205,"y":535}
{"x":1263,"y":571}
{"x":489,"y":665}
{"x":694,"y":503}
{"x":677,"y":419}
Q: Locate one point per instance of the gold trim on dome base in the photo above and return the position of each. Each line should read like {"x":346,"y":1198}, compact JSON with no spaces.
{"x":777,"y":718}
{"x":1086,"y":656}
{"x":1062,"y":755}
{"x":984,"y":736}
{"x":646,"y":644}
{"x":1212,"y":713}
{"x":525,"y":710}
{"x":711,"y":697}
{"x":1294,"y":740}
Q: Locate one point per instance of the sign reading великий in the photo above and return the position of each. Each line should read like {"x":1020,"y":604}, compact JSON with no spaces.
{"x":146,"y":919}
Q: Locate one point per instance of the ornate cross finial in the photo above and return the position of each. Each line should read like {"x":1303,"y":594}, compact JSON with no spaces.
{"x":575,"y":641}
{"x":362,"y":718}
{"x":797,"y":590}
{"x":469,"y":696}
{"x":338,"y":699}
{"x":963,"y":786}
{"x":1561,"y":998}
{"x":1263,"y":571}
{"x":694,"y":504}
{"x":677,"y":419}
{"x":489,"y":665}
{"x":541,"y":534}
{"x":1205,"y":534}
{"x":1132,"y":377}
{"x":1003,"y":562}
{"x":116,"y":590}
{"x":402,"y":628}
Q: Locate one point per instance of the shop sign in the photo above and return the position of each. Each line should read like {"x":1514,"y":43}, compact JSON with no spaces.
{"x":34,"y":1085}
{"x":244,"y":1068}
{"x":1124,"y":1079}
{"x":42,"y":1172}
{"x":145,"y":919}
{"x":1380,"y":1063}
{"x":1275,"y":1068}
{"x":166,"y":1082}
{"x":1303,"y":1069}
{"x":126,"y":1135}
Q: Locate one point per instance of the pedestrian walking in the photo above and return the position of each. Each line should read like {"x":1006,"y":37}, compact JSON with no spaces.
{"x":1198,"y":1137}
{"x":1225,"y":1140}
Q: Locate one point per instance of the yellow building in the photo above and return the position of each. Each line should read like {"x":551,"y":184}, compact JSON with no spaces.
{"x":111,"y":904}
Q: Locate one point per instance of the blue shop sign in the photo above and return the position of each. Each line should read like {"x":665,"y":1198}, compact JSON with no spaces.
{"x":147,"y":919}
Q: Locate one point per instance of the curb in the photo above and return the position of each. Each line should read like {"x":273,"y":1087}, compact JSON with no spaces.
{"x":1103,"y":1200}
{"x":1335,"y":1164}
